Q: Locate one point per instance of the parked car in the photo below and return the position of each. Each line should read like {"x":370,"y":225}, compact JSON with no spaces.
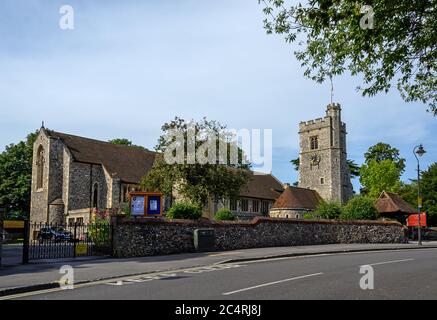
{"x":54,"y":234}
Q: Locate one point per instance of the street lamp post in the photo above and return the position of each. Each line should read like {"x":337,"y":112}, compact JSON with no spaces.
{"x":418,"y":151}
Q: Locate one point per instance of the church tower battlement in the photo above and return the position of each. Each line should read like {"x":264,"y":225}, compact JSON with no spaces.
{"x":323,"y":158}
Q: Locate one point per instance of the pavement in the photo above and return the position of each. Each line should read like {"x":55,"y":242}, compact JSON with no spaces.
{"x":45,"y":274}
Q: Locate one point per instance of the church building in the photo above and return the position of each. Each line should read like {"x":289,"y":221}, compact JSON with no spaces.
{"x":72,"y":176}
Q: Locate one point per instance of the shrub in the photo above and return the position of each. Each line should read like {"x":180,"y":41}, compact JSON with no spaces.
{"x":184,"y":210}
{"x":224,"y":214}
{"x":328,"y":210}
{"x":125,"y":209}
{"x":360,"y":208}
{"x":99,"y":231}
{"x":310,"y":216}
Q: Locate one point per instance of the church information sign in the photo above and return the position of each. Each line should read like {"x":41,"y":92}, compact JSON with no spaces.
{"x":146,"y":203}
{"x":137,"y":205}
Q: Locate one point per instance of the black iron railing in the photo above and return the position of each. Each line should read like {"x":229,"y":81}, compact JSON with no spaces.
{"x":55,"y":241}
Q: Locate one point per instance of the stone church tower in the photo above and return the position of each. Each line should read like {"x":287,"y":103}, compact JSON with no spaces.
{"x":322,"y":156}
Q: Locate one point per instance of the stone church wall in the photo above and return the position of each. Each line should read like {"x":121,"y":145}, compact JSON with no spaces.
{"x":39,"y":197}
{"x":83,"y":177}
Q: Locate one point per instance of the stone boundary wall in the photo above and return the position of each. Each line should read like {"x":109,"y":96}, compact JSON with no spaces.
{"x":135,"y":237}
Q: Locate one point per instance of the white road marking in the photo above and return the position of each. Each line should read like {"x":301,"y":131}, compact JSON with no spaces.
{"x":387,"y":262}
{"x":272,"y":283}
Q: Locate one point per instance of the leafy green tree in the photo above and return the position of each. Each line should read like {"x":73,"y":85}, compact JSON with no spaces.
{"x":360,"y":208}
{"x":295,"y":163}
{"x":428,"y":186}
{"x":198,"y":182}
{"x":354,"y":169}
{"x":16,"y":177}
{"x":391,"y":41}
{"x":125,"y":142}
{"x":408,"y":192}
{"x":383,"y":151}
{"x":328,"y":210}
{"x":184,"y":210}
{"x":380,"y":176}
{"x":224,"y":214}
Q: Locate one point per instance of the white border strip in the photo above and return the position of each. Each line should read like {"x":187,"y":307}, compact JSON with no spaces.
{"x":272,"y":283}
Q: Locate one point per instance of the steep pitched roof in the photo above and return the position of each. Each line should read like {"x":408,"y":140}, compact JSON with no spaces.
{"x":263,"y":186}
{"x":297,"y":198}
{"x":125,"y":163}
{"x":131,"y":164}
{"x":390,"y":202}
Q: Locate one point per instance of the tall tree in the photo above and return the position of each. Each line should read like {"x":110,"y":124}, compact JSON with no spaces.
{"x":382,"y":41}
{"x":354,"y":169}
{"x":380,"y":176}
{"x":383,"y":151}
{"x":408,"y":192}
{"x":16,"y":177}
{"x":197,"y":181}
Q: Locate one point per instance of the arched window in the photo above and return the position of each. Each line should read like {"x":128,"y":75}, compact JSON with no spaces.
{"x":40,"y":168}
{"x":96,"y":196}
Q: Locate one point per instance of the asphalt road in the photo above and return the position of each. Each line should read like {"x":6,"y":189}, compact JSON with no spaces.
{"x":406,"y":274}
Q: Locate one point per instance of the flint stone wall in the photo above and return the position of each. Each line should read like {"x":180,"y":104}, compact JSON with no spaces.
{"x":151,"y":236}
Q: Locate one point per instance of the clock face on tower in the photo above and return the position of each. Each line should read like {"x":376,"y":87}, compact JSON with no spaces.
{"x":315,"y":159}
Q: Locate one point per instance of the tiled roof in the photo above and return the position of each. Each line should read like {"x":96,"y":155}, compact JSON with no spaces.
{"x":390,"y":202}
{"x":126,"y":163}
{"x":131,"y":164}
{"x":262,"y":186}
{"x":297,"y":198}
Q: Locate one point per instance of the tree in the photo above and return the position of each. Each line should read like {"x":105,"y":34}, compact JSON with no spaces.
{"x":408,"y":192}
{"x":198,"y":182}
{"x":428,"y":186}
{"x":389,"y":41}
{"x":125,"y":142}
{"x":360,"y":208}
{"x":383,"y":151}
{"x":354,"y":169}
{"x":380,"y":176}
{"x":295,"y":163}
{"x":16,"y":177}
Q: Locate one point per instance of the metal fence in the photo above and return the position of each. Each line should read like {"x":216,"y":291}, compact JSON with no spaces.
{"x":56,"y":241}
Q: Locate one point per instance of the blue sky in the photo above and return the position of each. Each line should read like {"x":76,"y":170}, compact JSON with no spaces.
{"x":130,"y":66}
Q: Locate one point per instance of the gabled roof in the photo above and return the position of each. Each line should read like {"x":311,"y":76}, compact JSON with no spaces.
{"x":297,"y":198}
{"x":129,"y":164}
{"x":390,"y":202}
{"x":262,"y":186}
